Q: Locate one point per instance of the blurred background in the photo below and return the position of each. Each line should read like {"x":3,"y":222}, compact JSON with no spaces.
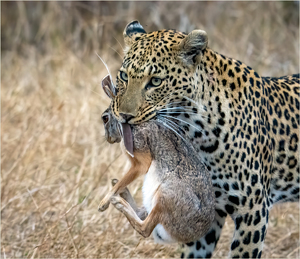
{"x":55,"y":163}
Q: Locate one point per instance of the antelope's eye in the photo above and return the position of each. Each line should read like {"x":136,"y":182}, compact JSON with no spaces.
{"x":105,"y":118}
{"x":124,"y":76}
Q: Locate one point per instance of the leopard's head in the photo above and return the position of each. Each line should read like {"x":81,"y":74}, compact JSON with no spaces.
{"x":158,"y":72}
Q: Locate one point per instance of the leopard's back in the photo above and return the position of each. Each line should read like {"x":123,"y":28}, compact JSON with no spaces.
{"x":283,"y":116}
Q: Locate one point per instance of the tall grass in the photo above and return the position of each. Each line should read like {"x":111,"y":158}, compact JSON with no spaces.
{"x":55,"y":163}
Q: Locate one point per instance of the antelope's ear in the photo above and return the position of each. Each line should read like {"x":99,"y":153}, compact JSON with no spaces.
{"x":190,"y":49}
{"x":108,"y":86}
{"x":131,"y":31}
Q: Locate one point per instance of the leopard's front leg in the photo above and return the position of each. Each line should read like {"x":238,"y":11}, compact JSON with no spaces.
{"x":250,"y":231}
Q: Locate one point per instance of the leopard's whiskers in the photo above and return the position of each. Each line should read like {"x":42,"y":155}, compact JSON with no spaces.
{"x":176,"y":112}
{"x":201,"y":130}
{"x":167,"y":111}
{"x":166,"y":123}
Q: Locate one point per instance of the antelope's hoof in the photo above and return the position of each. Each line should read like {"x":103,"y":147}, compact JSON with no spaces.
{"x":116,"y":201}
{"x":114,"y":182}
{"x":103,"y":206}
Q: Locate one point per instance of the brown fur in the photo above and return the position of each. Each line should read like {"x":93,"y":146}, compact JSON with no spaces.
{"x":183,"y":202}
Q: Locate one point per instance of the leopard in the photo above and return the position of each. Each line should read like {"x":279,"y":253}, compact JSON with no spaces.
{"x":245,"y":127}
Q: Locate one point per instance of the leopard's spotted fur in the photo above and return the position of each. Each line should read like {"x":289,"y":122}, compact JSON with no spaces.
{"x":244,"y":126}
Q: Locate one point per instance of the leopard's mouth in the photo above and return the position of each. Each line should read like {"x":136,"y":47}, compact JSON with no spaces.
{"x":143,"y":117}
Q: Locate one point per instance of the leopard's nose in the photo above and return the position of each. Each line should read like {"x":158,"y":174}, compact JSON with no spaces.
{"x":126,"y":117}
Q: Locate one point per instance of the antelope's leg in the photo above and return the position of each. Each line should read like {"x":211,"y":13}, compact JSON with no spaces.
{"x":143,"y":227}
{"x":130,"y":176}
{"x":139,"y":165}
{"x":126,"y":195}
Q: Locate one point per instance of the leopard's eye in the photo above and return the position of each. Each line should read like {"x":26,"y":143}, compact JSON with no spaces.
{"x":124,"y":76}
{"x":154,"y":82}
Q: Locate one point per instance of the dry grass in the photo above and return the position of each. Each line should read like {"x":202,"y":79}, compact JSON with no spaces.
{"x":55,"y":163}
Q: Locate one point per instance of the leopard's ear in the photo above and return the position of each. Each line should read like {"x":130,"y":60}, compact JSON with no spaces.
{"x":132,"y":31}
{"x":190,"y":49}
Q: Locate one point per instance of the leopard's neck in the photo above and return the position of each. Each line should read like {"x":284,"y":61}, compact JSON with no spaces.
{"x":222,"y":86}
